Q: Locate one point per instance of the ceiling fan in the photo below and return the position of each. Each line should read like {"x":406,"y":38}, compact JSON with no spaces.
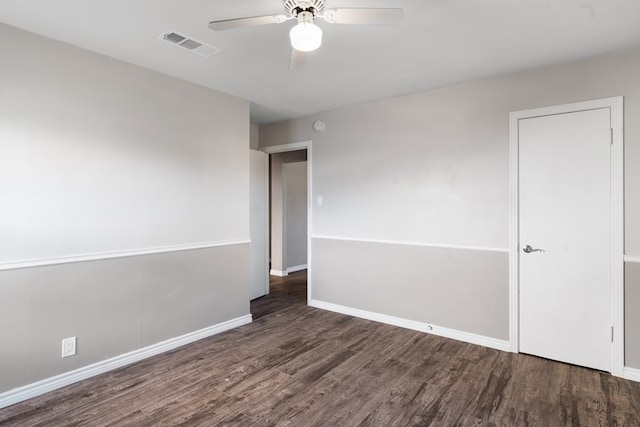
{"x":306,"y":36}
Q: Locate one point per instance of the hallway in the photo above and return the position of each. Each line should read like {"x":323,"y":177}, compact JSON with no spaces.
{"x":284,"y":291}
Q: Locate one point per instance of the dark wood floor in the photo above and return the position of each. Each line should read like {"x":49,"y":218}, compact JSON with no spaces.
{"x":300,"y":366}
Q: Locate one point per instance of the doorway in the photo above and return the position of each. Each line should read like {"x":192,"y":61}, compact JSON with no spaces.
{"x":290,"y":218}
{"x":566,"y":251}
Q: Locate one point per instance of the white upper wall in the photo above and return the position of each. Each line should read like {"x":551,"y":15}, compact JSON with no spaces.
{"x":433,"y":167}
{"x":412,"y":169}
{"x":102,"y":156}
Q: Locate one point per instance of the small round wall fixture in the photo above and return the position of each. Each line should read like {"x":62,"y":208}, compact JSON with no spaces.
{"x":319,"y":126}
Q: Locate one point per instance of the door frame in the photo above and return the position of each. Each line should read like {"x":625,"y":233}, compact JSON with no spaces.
{"x":294,"y":146}
{"x":616,"y":105}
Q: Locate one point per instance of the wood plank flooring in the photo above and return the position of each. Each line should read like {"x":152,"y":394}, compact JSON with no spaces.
{"x":300,"y":366}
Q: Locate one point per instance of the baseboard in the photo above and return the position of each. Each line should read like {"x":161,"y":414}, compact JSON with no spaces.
{"x":36,"y":389}
{"x":296,"y":268}
{"x":632,"y":374}
{"x":416,"y":326}
{"x":278,"y":273}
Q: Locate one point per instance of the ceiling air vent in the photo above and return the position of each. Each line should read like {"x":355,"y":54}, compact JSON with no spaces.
{"x":187,"y":43}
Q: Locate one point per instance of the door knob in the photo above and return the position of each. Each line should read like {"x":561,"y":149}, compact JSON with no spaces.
{"x":528,"y":249}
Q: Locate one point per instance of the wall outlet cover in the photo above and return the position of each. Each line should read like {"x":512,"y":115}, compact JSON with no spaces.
{"x":68,"y":347}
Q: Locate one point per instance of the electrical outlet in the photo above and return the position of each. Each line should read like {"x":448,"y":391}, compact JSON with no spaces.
{"x":68,"y":347}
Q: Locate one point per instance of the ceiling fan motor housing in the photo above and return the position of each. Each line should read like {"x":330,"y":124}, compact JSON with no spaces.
{"x":293,"y":7}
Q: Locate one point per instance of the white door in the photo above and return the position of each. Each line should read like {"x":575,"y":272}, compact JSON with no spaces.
{"x":259,"y":223}
{"x":565,"y":210}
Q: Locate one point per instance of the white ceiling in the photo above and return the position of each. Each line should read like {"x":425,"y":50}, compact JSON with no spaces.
{"x":439,"y":43}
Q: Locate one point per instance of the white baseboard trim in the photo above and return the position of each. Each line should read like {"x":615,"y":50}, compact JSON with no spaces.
{"x":631,"y":258}
{"x":29,"y":391}
{"x":297,"y":268}
{"x":415,"y":325}
{"x":278,"y":273}
{"x":632,"y":374}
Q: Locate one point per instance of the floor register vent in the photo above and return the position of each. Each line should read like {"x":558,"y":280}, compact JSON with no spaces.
{"x":188,"y":43}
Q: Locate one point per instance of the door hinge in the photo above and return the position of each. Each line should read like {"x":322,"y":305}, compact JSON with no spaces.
{"x":612,"y":334}
{"x":611,"y":136}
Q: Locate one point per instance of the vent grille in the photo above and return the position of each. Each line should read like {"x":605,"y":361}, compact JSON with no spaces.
{"x":188,"y":43}
{"x":174,"y":38}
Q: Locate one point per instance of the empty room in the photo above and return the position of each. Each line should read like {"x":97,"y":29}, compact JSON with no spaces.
{"x":320,"y":213}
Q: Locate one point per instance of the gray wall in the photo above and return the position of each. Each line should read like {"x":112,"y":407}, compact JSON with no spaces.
{"x":114,"y":306}
{"x":370,"y":276}
{"x":99,"y":156}
{"x":294,"y":180}
{"x":632,"y":314}
{"x":276,"y":215}
{"x":259,"y":205}
{"x":254,"y":134}
{"x":433,"y":168}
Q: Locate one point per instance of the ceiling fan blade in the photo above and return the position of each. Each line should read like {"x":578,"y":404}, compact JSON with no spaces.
{"x":298,"y":59}
{"x":364,"y":16}
{"x":228,"y":24}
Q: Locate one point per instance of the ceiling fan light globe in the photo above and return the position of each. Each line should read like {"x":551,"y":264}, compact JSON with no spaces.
{"x":306,"y":37}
